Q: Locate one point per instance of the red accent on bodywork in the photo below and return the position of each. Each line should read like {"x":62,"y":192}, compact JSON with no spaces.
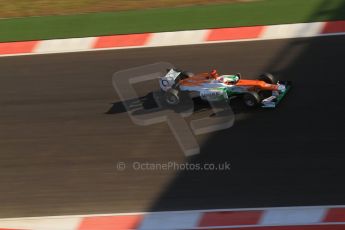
{"x":257,"y":83}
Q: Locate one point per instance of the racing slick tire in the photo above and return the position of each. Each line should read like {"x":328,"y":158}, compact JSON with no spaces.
{"x":172,"y":97}
{"x":268,"y":78}
{"x":251,"y":99}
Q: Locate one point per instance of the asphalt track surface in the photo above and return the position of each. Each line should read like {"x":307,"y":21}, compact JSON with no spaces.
{"x":61,"y":135}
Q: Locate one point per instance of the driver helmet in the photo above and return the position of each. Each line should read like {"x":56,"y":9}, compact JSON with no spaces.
{"x":233,"y":80}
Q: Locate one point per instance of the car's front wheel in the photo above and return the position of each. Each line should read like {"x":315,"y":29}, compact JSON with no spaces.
{"x":268,"y":78}
{"x":251,"y":99}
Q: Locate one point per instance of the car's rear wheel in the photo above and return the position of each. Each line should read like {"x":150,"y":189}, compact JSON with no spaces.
{"x":172,"y":97}
{"x":251,"y":99}
{"x":268,"y":78}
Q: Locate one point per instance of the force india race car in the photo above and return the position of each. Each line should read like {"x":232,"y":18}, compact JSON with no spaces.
{"x":264,"y":92}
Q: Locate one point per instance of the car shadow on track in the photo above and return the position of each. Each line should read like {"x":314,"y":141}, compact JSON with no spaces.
{"x":146,"y":104}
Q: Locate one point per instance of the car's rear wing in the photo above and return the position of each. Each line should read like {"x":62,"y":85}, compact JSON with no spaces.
{"x":169,"y":80}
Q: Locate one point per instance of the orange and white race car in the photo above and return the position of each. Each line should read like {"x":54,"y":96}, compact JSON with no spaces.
{"x":211,"y":86}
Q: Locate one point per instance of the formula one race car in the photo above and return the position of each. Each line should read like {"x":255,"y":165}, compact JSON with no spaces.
{"x":210,"y":86}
